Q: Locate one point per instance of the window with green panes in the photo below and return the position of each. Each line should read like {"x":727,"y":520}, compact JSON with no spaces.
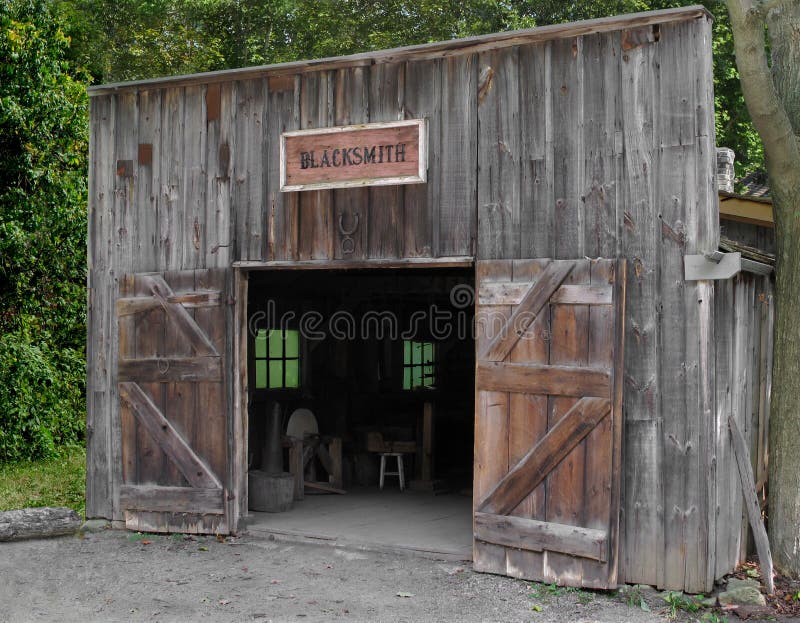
{"x":419,"y":364}
{"x":277,"y":358}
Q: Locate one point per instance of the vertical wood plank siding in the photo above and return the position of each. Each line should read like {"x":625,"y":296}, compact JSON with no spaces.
{"x":594,"y":145}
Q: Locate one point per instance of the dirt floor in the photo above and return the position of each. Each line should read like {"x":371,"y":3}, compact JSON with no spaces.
{"x":120,"y":576}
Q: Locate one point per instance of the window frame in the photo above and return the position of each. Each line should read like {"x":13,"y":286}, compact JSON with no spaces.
{"x":269,"y":357}
{"x":428,"y":380}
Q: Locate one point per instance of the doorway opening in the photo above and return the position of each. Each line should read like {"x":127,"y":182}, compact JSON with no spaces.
{"x":349,"y":370}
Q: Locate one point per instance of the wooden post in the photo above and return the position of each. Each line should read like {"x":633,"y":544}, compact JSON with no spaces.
{"x":296,"y":466}
{"x":335,"y":451}
{"x":427,"y":442}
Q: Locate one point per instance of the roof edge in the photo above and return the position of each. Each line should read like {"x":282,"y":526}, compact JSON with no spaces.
{"x":423,"y":51}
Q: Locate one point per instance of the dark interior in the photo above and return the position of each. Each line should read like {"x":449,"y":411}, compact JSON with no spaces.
{"x":354,"y":367}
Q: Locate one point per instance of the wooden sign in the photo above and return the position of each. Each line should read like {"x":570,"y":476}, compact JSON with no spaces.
{"x":368,"y":154}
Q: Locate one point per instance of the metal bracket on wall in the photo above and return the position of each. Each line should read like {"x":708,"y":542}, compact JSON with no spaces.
{"x":719,"y":265}
{"x":716,"y":265}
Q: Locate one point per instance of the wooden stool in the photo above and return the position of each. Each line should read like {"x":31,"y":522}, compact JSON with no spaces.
{"x":398,"y":473}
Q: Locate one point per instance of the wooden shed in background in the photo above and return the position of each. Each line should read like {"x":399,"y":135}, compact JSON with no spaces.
{"x":601,"y":447}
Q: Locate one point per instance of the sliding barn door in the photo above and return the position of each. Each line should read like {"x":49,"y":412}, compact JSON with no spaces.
{"x":548,"y":419}
{"x":173,"y":402}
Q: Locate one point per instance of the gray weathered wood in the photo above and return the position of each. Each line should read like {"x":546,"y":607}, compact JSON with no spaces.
{"x":643,"y":534}
{"x":317,"y":110}
{"x":283,"y":113}
{"x":171,"y":176}
{"x":458,"y":191}
{"x":193,"y":199}
{"x":499,"y":145}
{"x":172,"y":499}
{"x":542,"y":458}
{"x":535,"y":535}
{"x":98,"y":386}
{"x":351,"y":206}
{"x":534,"y":300}
{"x":174,"y":370}
{"x":385,"y":205}
{"x":423,"y":99}
{"x":567,"y":93}
{"x":171,"y":442}
{"x":248,"y":170}
{"x":511,"y":293}
{"x":220,"y":157}
{"x":36,"y":523}
{"x":536,"y":157}
{"x":148,"y":184}
{"x":751,"y":504}
{"x":538,"y":379}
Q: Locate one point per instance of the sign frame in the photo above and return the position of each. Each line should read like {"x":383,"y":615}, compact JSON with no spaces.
{"x":420,"y":177}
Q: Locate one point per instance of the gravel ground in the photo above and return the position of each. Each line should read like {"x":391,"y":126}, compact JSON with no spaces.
{"x":119,"y":576}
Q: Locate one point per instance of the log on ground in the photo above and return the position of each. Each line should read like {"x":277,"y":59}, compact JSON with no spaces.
{"x":33,"y":523}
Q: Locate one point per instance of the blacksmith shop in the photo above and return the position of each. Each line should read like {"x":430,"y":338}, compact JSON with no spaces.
{"x":463,"y":298}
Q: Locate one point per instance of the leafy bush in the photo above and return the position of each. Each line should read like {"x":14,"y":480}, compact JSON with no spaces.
{"x":43,"y":150}
{"x":41,"y":398}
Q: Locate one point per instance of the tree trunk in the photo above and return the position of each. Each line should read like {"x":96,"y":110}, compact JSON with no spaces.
{"x":772,"y":94}
{"x":784,"y":426}
{"x":784,"y":435}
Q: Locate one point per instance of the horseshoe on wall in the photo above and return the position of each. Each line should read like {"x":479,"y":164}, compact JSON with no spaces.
{"x":348,"y":244}
{"x":350,"y":232}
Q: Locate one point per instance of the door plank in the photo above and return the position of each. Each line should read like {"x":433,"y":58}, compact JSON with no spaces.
{"x":178,"y":314}
{"x":170,"y":441}
{"x":169,"y":369}
{"x":546,"y":455}
{"x":172,"y":499}
{"x":528,"y":420}
{"x":538,"y":379}
{"x":138,"y":304}
{"x":537,"y":536}
{"x":511,"y":293}
{"x":150,"y":341}
{"x":565,"y":492}
{"x":492,"y":423}
{"x":522,"y":317}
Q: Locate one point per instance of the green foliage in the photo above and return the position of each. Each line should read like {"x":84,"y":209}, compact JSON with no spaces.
{"x":677,"y":602}
{"x":546,"y":592}
{"x":633,"y":596}
{"x":41,"y":397}
{"x":60,"y":481}
{"x":43,"y":146}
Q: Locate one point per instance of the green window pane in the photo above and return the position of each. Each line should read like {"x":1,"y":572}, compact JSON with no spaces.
{"x":429,"y":378}
{"x":417,"y":353}
{"x":416,"y":376}
{"x":406,"y":352}
{"x":275,"y":344}
{"x":261,"y":344}
{"x":427,"y":352}
{"x":292,"y":344}
{"x":276,"y":373}
{"x":261,"y":374}
{"x":292,"y":373}
{"x":406,"y":377}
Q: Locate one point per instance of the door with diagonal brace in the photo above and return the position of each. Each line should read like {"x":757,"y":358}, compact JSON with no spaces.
{"x":174,"y":402}
{"x":548,"y":419}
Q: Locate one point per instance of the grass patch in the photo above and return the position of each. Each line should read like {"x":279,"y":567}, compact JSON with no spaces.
{"x":52,"y":482}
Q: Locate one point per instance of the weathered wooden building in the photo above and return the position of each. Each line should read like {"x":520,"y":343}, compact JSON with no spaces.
{"x":601,"y":396}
